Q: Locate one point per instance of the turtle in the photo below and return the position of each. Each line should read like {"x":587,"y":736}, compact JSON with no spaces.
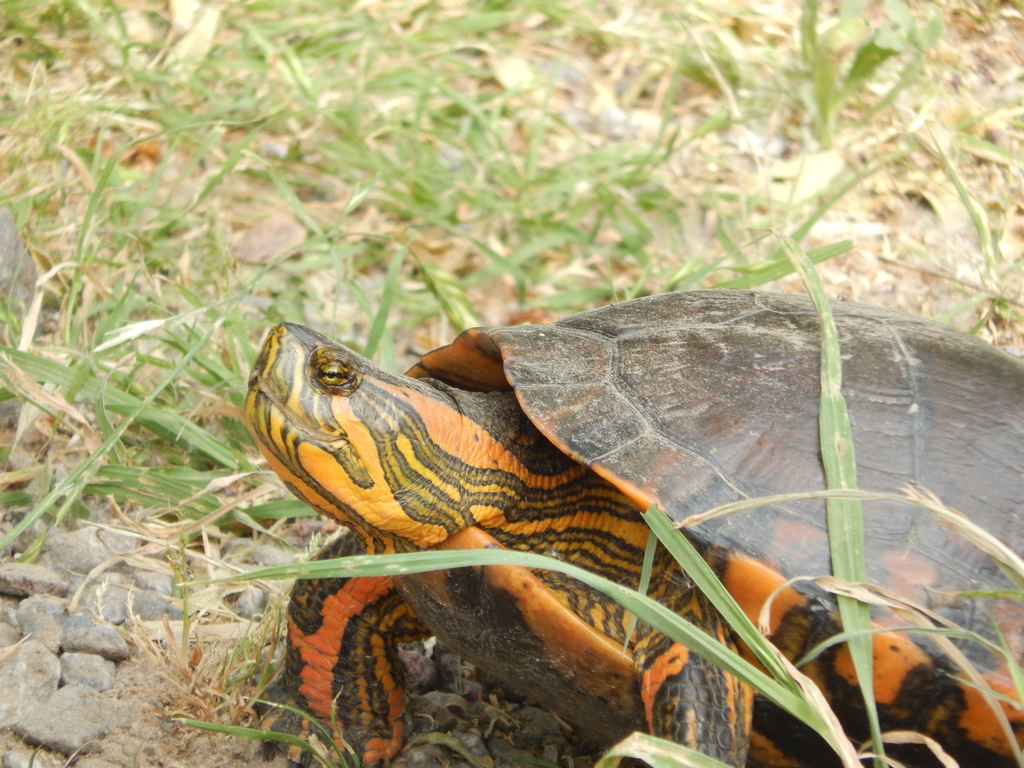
{"x":557,"y":438}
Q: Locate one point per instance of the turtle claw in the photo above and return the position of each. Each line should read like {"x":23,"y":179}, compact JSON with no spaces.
{"x":283,"y":712}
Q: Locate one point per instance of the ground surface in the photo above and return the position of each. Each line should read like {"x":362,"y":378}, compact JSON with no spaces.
{"x":184,"y":175}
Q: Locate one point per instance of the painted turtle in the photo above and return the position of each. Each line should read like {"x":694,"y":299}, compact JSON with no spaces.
{"x":554,"y":438}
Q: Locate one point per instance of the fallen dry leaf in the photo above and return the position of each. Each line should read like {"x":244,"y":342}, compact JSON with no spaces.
{"x":269,"y":238}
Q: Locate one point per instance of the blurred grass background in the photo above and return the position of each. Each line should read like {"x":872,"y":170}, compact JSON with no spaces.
{"x":186,"y":174}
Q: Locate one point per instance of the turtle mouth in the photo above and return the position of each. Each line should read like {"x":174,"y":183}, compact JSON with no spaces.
{"x":268,"y":404}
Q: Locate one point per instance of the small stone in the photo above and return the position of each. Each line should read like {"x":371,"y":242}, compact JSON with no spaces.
{"x":119,"y":543}
{"x":28,"y":673}
{"x":9,"y":635}
{"x":41,"y":617}
{"x":70,"y":720}
{"x":426,"y":756}
{"x":95,"y":762}
{"x":539,"y":728}
{"x":108,"y":599}
{"x":613,"y":122}
{"x":87,"y":670}
{"x":250,"y":602}
{"x":267,"y":555}
{"x":100,"y":639}
{"x":505,"y":754}
{"x":24,"y":579}
{"x":23,"y":758}
{"x":237,"y":549}
{"x":151,"y":606}
{"x":76,"y":552}
{"x":420,"y":672}
{"x":8,"y":607}
{"x":449,"y":667}
{"x":472,"y":743}
{"x":552,"y":751}
{"x":76,"y":620}
{"x":161,"y":583}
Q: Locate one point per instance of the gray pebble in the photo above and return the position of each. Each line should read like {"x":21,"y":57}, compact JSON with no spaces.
{"x":70,"y":720}
{"x":87,"y":670}
{"x":108,"y":599}
{"x":539,"y":728}
{"x":24,"y":579}
{"x":449,"y":667}
{"x":505,"y":754}
{"x":42,"y":618}
{"x":552,"y":752}
{"x":78,"y":620}
{"x":75,"y":552}
{"x":161,"y":583}
{"x":152,"y":606}
{"x":250,"y":602}
{"x":8,"y":607}
{"x":27,"y":674}
{"x":613,"y":122}
{"x":267,"y":555}
{"x":472,"y":743}
{"x":100,"y":639}
{"x":237,"y":549}
{"x":9,"y":635}
{"x":426,"y":756}
{"x":24,"y":758}
{"x":118,"y":543}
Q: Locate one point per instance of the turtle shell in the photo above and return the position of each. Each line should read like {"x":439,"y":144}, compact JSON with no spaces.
{"x":699,"y":399}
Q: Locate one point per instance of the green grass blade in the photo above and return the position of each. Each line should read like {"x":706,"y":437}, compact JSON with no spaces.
{"x":650,"y":611}
{"x":845,"y":518}
{"x":657,"y":753}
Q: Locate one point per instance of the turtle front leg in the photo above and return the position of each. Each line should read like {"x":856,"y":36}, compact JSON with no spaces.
{"x":688,"y":699}
{"x":341,"y":664}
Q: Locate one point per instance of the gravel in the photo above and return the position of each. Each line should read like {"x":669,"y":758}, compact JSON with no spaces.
{"x":64,"y":640}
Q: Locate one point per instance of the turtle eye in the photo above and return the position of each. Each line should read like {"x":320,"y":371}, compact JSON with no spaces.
{"x":334,"y":376}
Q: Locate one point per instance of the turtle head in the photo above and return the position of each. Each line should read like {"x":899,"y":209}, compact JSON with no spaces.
{"x":341,"y":433}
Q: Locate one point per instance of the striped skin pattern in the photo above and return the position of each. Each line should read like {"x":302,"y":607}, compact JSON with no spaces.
{"x":365,"y":617}
{"x":406,"y":465}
